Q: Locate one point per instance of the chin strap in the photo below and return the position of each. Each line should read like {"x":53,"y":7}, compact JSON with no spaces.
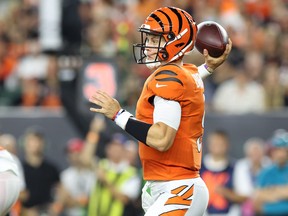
{"x":153,"y":65}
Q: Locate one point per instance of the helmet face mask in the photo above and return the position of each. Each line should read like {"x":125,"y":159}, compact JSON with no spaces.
{"x":173,"y":25}
{"x":140,"y":51}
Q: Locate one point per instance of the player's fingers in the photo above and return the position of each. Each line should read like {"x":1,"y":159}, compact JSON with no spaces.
{"x":230,"y":42}
{"x":96,"y":110}
{"x":98,"y":95}
{"x":96,"y":100}
{"x":103,"y":99}
{"x":229,"y":46}
{"x":104,"y":94}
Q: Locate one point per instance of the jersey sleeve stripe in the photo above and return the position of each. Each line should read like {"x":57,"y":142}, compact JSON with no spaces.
{"x":173,"y":79}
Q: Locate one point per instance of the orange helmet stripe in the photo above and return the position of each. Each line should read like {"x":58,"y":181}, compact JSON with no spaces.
{"x":168,"y":18}
{"x":158,"y":20}
{"x":180,"y":20}
{"x":191,"y":29}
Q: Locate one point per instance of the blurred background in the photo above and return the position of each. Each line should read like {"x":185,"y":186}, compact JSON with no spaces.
{"x":55,"y":53}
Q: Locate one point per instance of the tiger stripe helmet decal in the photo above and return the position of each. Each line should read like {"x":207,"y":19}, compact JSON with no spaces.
{"x":175,"y":26}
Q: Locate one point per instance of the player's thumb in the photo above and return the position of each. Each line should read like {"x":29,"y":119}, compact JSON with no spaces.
{"x":205,"y":52}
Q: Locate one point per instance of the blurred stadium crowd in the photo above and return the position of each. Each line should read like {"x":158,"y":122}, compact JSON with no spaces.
{"x":254,"y":185}
{"x":44,"y":46}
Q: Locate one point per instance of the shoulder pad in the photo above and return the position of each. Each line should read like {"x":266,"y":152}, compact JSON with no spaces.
{"x":168,"y":82}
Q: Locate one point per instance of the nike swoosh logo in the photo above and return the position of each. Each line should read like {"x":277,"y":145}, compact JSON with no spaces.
{"x":158,"y":85}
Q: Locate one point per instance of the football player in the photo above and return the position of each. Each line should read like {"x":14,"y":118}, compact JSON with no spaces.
{"x":10,"y":183}
{"x":169,"y":114}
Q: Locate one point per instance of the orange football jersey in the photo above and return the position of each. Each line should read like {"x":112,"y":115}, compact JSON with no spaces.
{"x":183,"y":159}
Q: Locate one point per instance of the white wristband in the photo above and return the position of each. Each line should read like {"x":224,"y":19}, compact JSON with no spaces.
{"x":203,"y":71}
{"x":122,"y":118}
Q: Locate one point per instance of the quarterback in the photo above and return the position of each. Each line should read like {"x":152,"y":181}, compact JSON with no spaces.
{"x":169,"y":114}
{"x":9,"y":181}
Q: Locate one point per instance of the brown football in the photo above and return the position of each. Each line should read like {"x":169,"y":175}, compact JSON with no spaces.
{"x":211,"y":36}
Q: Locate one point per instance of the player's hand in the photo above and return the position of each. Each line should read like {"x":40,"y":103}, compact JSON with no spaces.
{"x":108,"y":105}
{"x":212,"y":62}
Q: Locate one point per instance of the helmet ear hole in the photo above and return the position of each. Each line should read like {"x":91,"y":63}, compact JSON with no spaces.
{"x":171,"y":36}
{"x":164,"y":55}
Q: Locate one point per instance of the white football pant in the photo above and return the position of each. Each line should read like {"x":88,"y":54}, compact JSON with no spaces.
{"x":187,"y":197}
{"x":9,"y":190}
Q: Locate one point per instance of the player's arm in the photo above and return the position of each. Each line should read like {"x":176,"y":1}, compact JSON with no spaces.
{"x":87,"y":155}
{"x":282,"y":191}
{"x":159,"y":135}
{"x":230,"y":194}
{"x":272,"y":194}
{"x":212,"y":63}
{"x":166,"y":117}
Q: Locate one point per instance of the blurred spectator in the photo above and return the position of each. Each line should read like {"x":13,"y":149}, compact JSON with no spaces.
{"x":274,"y":89}
{"x":7,"y":62}
{"x":253,"y":64}
{"x":217,"y":171}
{"x":230,"y":17}
{"x":7,"y":65}
{"x":283,"y":50}
{"x":271,"y":195}
{"x":37,"y":77}
{"x":131,"y":152}
{"x":100,"y":28}
{"x":246,"y":171}
{"x":77,"y":182}
{"x":99,"y":39}
{"x":118,"y":183}
{"x":88,"y":154}
{"x":132,"y":156}
{"x":239,"y":95}
{"x":41,"y":176}
{"x":259,"y":10}
{"x":71,"y":27}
